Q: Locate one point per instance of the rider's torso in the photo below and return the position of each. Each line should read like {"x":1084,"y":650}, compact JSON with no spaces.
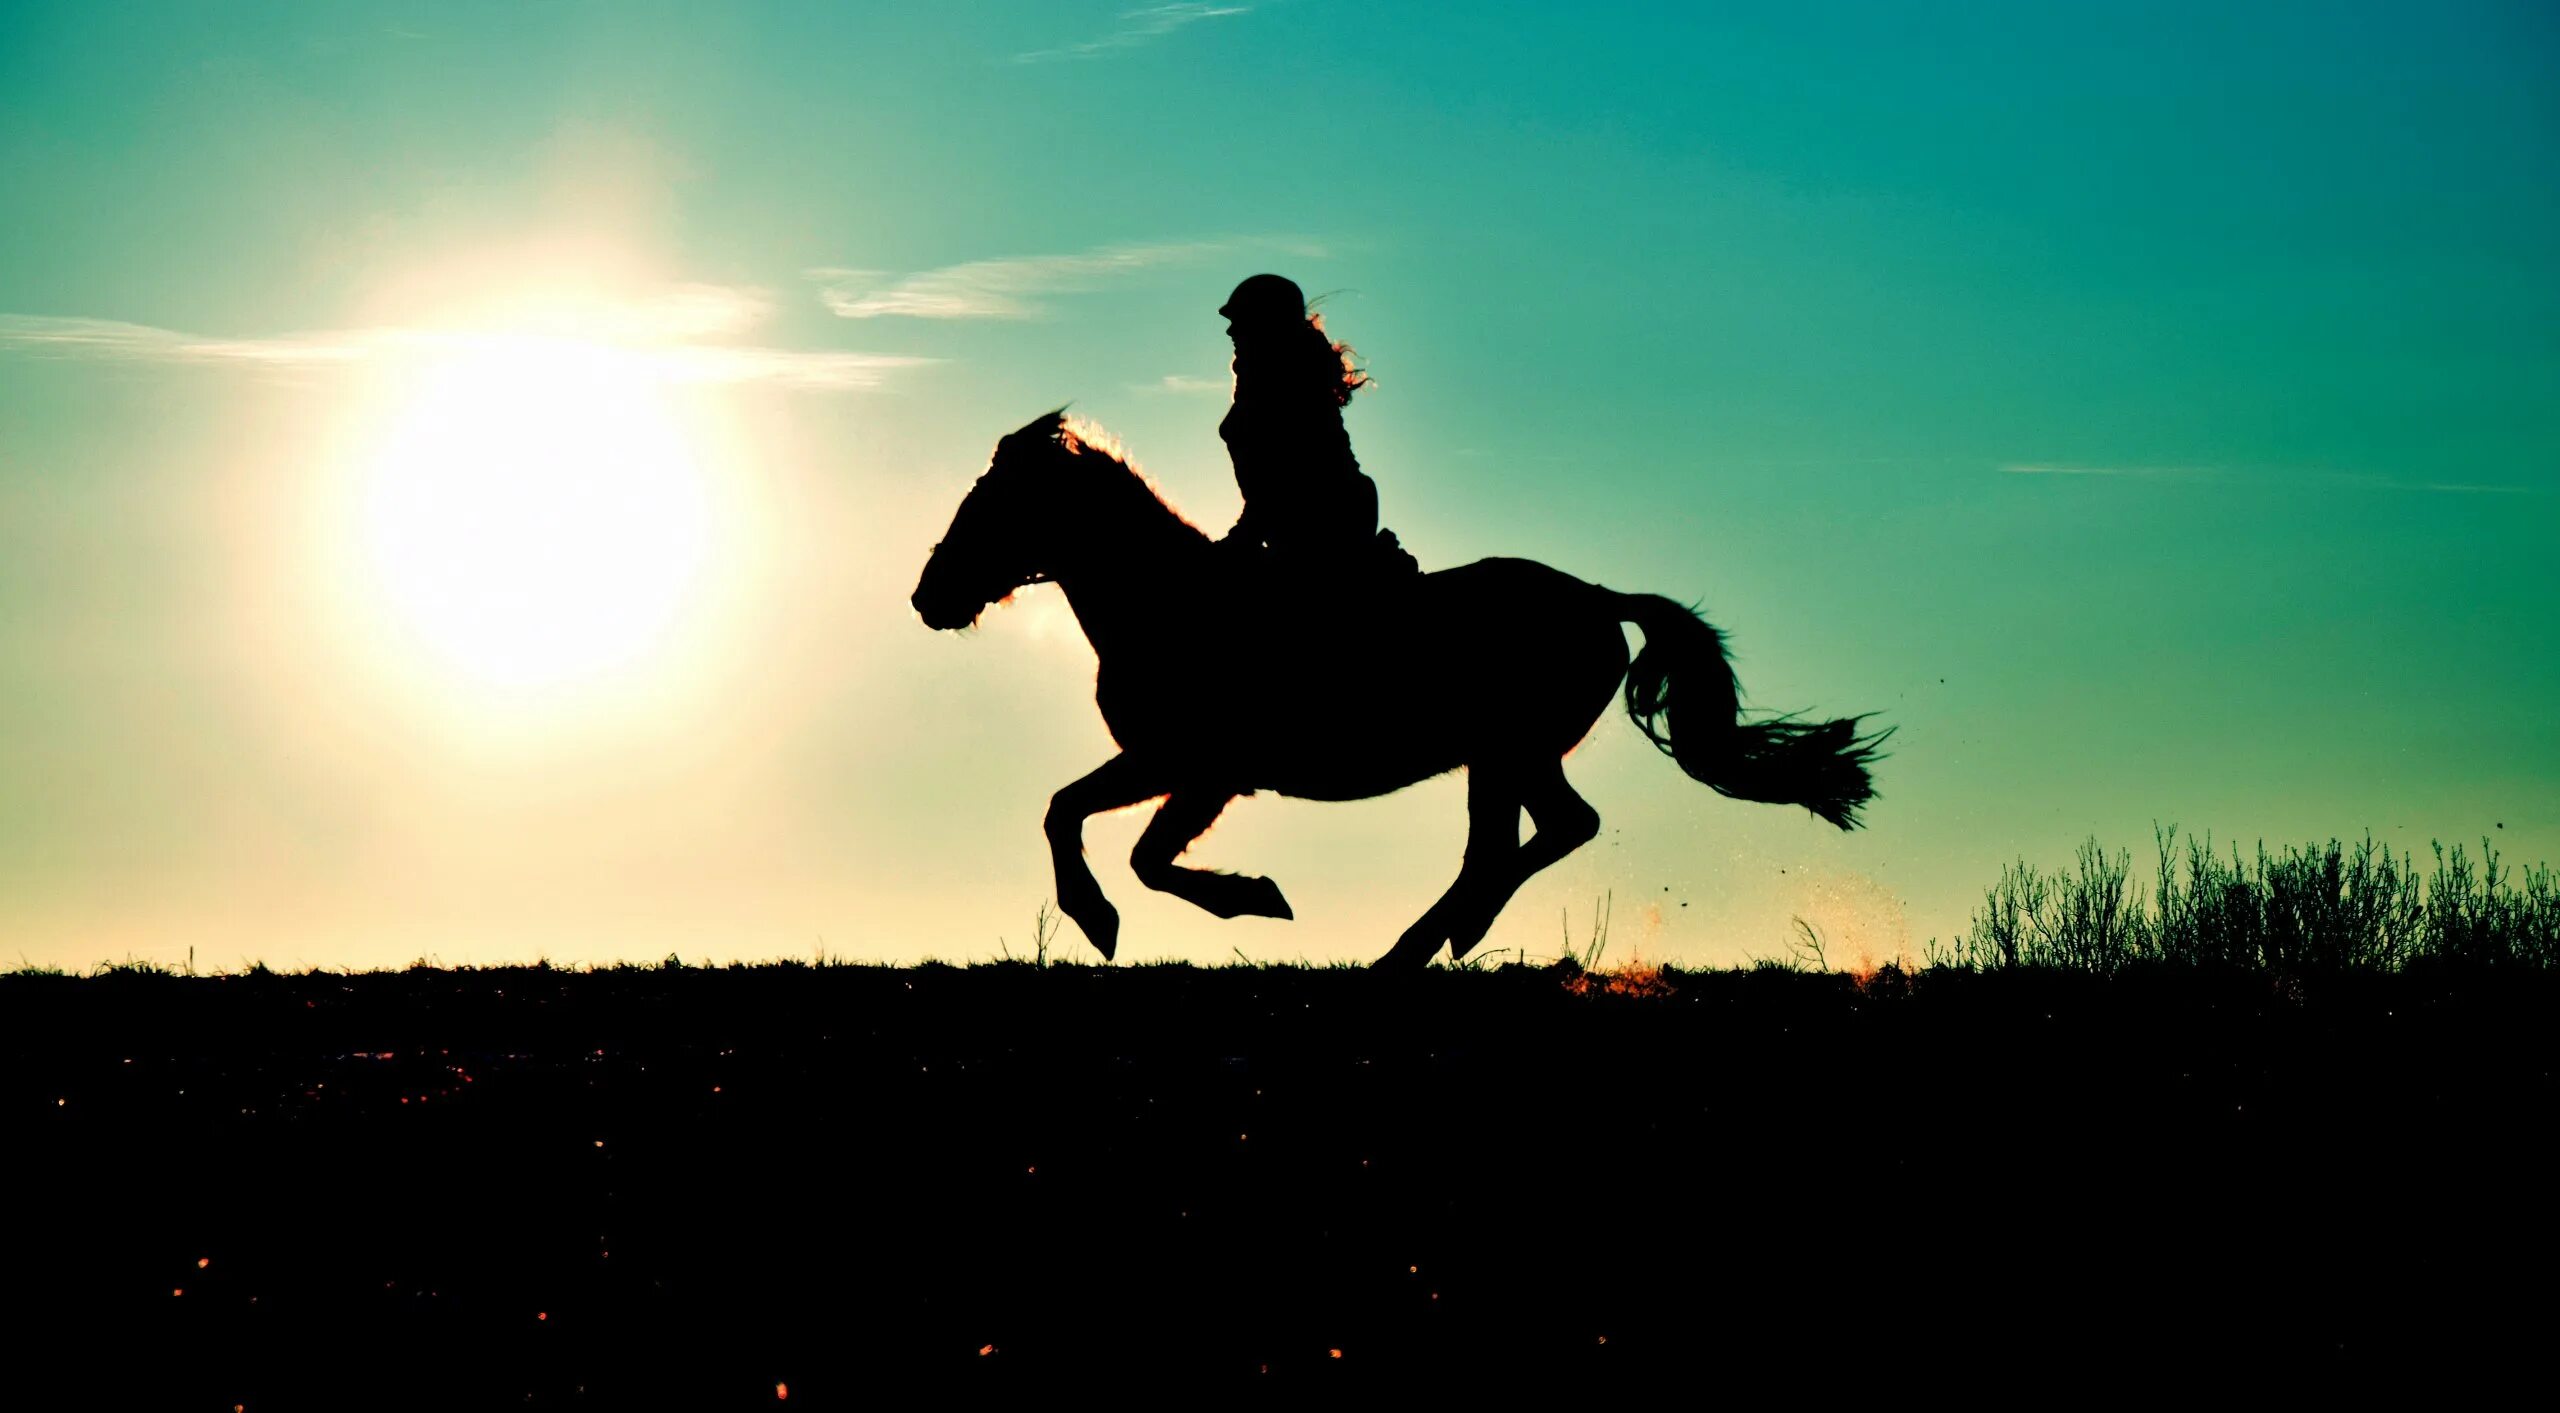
{"x":1303,"y":489}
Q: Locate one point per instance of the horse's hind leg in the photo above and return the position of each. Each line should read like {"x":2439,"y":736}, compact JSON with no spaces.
{"x":1186,"y":815}
{"x":1493,"y":840}
{"x":1565,"y":821}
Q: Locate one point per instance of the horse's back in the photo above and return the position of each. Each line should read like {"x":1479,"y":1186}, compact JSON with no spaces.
{"x":1507,"y":568}
{"x":1517,"y":601}
{"x":1385,"y":684}
{"x":1543,"y":645}
{"x":1498,"y":658}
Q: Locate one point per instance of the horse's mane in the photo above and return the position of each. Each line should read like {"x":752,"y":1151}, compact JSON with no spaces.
{"x":1078,"y":436}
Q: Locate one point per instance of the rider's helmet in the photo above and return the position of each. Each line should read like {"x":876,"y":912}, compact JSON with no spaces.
{"x":1263,"y":301}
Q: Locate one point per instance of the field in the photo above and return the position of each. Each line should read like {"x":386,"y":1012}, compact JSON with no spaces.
{"x":810,"y":1185}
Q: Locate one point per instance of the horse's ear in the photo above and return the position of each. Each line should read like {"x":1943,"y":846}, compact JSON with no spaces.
{"x":1044,"y":427}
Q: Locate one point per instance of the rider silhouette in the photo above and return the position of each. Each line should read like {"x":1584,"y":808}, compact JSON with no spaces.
{"x":1306,"y":500}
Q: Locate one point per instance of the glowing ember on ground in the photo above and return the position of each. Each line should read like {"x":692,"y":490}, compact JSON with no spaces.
{"x":203,"y":1261}
{"x":781,"y":1392}
{"x":1336,"y":1353}
{"x":542,"y":1314}
{"x":1635,"y":977}
{"x":181,"y":1290}
{"x":985,"y":1349}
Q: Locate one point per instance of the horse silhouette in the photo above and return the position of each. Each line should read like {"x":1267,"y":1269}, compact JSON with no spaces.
{"x":1219,"y":678}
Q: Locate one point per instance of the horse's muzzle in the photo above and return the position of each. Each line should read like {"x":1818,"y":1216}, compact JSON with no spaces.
{"x":941,"y":616}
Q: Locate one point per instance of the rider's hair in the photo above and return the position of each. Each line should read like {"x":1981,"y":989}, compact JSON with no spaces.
{"x":1302,"y":356}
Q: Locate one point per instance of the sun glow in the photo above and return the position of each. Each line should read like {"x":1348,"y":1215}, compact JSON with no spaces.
{"x":535,"y":513}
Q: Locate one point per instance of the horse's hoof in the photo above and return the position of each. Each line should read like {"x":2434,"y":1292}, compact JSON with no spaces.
{"x":1463,"y":939}
{"x":1407,"y":955}
{"x":1261,"y":898}
{"x":1102,"y":929}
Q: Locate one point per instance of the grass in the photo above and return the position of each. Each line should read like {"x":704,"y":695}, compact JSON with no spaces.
{"x":2307,"y":910}
{"x":2314,"y":909}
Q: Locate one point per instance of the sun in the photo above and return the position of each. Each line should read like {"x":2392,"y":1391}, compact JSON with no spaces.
{"x":534,"y":514}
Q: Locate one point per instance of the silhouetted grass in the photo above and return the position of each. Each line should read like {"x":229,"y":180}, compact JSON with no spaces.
{"x":2305,"y":910}
{"x":2313,"y":909}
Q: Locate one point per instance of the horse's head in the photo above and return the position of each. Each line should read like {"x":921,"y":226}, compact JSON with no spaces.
{"x":1006,"y":529}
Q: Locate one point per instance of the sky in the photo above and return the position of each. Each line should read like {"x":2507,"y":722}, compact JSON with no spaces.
{"x":2152,"y":411}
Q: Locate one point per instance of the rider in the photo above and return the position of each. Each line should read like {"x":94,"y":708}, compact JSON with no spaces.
{"x":1305,"y":497}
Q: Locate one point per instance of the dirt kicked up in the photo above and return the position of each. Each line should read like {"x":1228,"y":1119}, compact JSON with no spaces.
{"x":821,"y":1187}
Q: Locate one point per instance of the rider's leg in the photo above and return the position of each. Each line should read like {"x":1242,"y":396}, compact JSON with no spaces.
{"x":1187,"y":814}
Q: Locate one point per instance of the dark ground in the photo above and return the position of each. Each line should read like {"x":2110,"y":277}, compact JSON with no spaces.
{"x":682,"y":1188}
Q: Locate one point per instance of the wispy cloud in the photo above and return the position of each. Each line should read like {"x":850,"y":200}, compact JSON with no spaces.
{"x":818,"y":370}
{"x":113,"y":339}
{"x":683,"y":333}
{"x":1140,"y":26}
{"x":2327,"y":477}
{"x":993,"y":289}
{"x":2458,"y":488}
{"x":682,"y":312}
{"x":1187,"y":386}
{"x":2043,"y":469}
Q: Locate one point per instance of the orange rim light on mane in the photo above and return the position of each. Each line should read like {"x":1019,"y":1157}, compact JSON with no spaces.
{"x":1078,"y":436}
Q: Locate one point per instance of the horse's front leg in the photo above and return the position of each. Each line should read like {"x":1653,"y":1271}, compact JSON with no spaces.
{"x":1187,"y":814}
{"x":1118,"y":782}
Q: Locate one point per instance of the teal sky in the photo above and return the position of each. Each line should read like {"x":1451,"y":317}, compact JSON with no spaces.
{"x":2153,"y":411}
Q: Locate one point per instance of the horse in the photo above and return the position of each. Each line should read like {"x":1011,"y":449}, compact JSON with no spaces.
{"x":1222,"y":675}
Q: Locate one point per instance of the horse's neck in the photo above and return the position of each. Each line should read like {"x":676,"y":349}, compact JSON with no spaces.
{"x":1134,"y":577}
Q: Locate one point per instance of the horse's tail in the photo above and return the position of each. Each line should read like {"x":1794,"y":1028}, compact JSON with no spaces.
{"x":1682,"y":692}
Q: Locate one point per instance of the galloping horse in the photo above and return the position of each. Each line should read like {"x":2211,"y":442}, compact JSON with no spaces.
{"x":1221,"y":678}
